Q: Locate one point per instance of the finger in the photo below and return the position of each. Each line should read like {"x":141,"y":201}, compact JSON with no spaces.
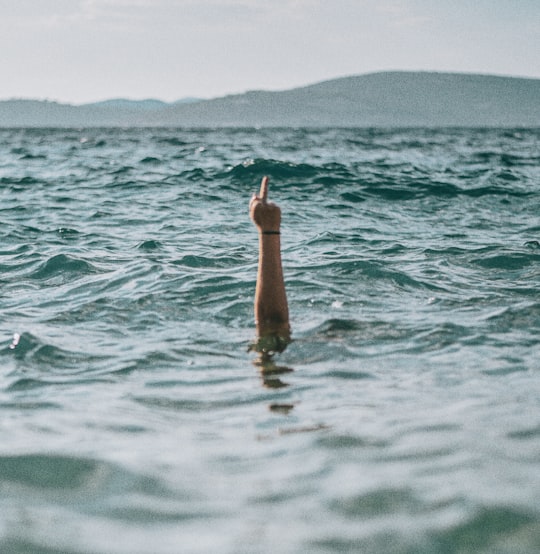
{"x":263,"y":194}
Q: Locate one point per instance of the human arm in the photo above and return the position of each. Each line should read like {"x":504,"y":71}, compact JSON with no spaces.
{"x":271,"y":308}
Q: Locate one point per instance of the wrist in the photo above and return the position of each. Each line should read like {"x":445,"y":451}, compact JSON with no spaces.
{"x":269,"y":232}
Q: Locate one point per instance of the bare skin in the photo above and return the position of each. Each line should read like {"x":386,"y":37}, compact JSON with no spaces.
{"x":271,"y":308}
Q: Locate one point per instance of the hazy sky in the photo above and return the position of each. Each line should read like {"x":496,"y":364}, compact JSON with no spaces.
{"x":86,"y":50}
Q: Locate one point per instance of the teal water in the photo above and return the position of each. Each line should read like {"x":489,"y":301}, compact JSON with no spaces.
{"x":133,"y":419}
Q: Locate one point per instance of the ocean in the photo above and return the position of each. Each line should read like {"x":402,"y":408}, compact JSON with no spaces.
{"x":134,"y":418}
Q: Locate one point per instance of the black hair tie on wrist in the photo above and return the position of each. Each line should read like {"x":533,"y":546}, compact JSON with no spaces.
{"x":270,"y":232}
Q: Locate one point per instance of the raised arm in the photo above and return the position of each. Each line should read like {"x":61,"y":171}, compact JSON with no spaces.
{"x":271,"y":309}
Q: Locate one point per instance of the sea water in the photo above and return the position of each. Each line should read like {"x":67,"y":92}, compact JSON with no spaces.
{"x":134,"y":418}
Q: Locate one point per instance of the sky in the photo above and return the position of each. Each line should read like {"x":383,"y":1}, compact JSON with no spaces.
{"x":79,"y":51}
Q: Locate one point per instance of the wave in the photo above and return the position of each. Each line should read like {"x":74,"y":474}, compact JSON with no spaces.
{"x":277,"y":170}
{"x":151,"y":160}
{"x":63,"y":268}
{"x":172,"y":141}
{"x":357,"y":183}
{"x":489,"y":529}
{"x":30,"y":351}
{"x":511,"y":261}
{"x":18,"y":184}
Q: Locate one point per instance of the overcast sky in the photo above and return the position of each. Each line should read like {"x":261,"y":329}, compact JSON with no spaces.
{"x":86,"y":50}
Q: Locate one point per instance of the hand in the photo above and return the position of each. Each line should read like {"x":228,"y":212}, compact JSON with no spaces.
{"x":266,"y":215}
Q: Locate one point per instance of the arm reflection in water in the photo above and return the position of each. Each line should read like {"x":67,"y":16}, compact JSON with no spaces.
{"x":271,"y":308}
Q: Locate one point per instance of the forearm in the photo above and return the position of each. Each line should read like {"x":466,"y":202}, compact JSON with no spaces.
{"x":271,"y":309}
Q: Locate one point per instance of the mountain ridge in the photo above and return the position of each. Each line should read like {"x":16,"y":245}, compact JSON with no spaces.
{"x":382,"y":99}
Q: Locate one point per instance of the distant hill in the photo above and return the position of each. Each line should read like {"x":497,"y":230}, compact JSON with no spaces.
{"x":123,"y":103}
{"x":149,"y":104}
{"x":386,"y":99}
